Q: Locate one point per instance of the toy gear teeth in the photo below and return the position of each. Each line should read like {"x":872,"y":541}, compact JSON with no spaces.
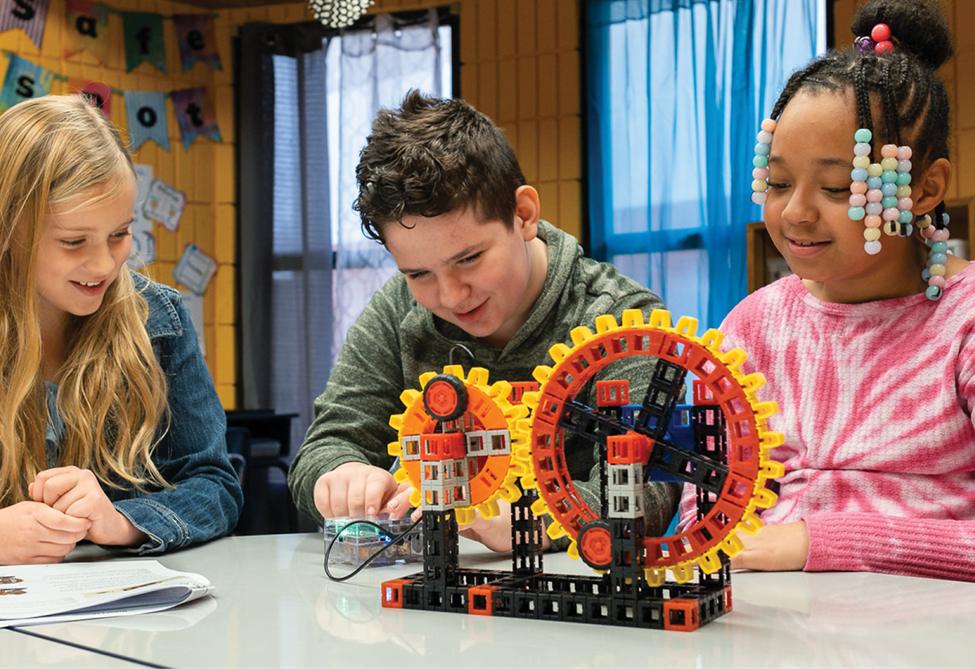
{"x":735,"y":393}
{"x":490,"y":475}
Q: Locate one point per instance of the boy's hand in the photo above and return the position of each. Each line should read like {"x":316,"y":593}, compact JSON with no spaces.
{"x":356,"y":490}
{"x":495,"y":532}
{"x":77,"y":492}
{"x":774,"y":548}
{"x":33,"y":533}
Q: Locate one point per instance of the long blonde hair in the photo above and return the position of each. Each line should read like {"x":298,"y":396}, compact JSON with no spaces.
{"x":111,"y":390}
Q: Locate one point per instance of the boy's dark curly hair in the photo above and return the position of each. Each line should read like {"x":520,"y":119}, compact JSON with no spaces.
{"x":432,"y":156}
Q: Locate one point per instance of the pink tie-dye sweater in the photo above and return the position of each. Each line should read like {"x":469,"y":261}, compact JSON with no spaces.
{"x":876,"y":404}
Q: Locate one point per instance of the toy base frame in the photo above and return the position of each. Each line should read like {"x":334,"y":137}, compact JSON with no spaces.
{"x":583,"y":599}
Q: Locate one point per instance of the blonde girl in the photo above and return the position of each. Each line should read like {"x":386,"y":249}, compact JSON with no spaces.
{"x":110,"y":429}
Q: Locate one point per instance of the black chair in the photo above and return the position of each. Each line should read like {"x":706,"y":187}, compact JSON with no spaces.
{"x":263,"y":440}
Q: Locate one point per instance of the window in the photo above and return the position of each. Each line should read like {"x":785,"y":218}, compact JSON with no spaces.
{"x":307,"y":275}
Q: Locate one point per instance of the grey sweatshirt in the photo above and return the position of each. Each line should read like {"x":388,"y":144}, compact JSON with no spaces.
{"x":395,"y":340}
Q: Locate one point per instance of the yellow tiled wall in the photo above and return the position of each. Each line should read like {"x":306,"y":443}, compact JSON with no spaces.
{"x":520,"y":66}
{"x":961,"y":21}
{"x":204,"y":171}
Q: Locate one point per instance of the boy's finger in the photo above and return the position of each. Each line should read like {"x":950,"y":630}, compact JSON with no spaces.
{"x":398,"y":504}
{"x":323,"y":500}
{"x":53,"y":549}
{"x":355,"y":501}
{"x":339,"y":499}
{"x":44,"y":476}
{"x":80,"y":508}
{"x":379,"y":485}
{"x":45,"y":559}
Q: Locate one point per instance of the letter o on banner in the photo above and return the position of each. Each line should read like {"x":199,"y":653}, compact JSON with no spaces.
{"x":147,"y":117}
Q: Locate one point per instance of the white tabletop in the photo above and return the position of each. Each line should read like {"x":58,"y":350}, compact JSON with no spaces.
{"x":18,"y":649}
{"x":273,"y":606}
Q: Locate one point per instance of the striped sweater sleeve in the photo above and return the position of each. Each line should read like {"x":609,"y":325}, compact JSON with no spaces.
{"x":898,"y":545}
{"x":893,"y":545}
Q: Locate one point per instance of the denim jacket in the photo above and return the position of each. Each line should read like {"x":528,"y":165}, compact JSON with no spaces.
{"x":206,"y":499}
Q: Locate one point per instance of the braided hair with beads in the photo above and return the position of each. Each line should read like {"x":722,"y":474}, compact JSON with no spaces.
{"x":895,"y":74}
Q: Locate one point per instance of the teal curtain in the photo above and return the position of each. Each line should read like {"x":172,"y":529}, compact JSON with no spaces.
{"x":675,"y":92}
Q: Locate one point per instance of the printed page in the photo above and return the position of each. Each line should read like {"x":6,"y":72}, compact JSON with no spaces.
{"x":93,"y":588}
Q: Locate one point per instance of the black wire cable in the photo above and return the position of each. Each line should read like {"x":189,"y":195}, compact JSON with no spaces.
{"x":365,"y":563}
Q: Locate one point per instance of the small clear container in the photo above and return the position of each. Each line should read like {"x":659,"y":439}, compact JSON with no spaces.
{"x":359,"y":542}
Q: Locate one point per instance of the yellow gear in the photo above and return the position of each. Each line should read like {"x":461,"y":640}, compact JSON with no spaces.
{"x":488,"y":409}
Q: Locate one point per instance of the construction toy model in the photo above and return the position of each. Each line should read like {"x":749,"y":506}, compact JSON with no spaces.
{"x":464,"y":445}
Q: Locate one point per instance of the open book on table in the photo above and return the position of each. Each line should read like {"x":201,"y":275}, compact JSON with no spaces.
{"x":37,"y":594}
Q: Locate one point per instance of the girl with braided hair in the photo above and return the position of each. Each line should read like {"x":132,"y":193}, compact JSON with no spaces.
{"x":870,"y":345}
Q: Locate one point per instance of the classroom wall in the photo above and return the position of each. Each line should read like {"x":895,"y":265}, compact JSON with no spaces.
{"x":961,"y":22}
{"x":204,"y":171}
{"x":520,"y":66}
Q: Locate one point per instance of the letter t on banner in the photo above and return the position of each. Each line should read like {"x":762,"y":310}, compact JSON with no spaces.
{"x":195,"y":114}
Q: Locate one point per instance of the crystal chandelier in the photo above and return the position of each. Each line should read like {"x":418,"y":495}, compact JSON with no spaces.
{"x":338,"y":13}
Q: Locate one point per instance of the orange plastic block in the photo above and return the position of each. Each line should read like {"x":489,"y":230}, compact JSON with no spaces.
{"x":681,"y":615}
{"x":480,"y":601}
{"x":629,"y":448}
{"x":612,"y":393}
{"x":519,"y":388}
{"x":702,"y":394}
{"x":393,"y":593}
{"x":442,"y":446}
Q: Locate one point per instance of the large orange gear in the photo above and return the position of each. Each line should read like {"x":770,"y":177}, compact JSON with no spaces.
{"x":749,"y":466}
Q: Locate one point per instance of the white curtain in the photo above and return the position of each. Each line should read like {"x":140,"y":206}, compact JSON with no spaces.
{"x":368,"y":70}
{"x":323,"y":270}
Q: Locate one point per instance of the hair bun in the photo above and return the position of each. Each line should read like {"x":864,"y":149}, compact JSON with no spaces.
{"x":918,"y":26}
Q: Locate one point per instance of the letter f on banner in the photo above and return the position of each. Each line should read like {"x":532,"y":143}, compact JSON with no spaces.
{"x":143,"y":40}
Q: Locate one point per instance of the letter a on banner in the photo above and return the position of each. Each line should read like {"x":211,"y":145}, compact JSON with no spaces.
{"x":24,"y":80}
{"x":87,"y":28}
{"x":28,"y":15}
{"x":146,"y":113}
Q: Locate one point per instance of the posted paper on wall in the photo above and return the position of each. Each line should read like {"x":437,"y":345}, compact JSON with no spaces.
{"x":195,"y":269}
{"x":164,"y":204}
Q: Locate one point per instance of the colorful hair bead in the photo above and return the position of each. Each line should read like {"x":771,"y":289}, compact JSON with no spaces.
{"x":878,"y":41}
{"x":865,"y":195}
{"x":935,"y":233}
{"x":879,"y":193}
{"x":760,"y":162}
